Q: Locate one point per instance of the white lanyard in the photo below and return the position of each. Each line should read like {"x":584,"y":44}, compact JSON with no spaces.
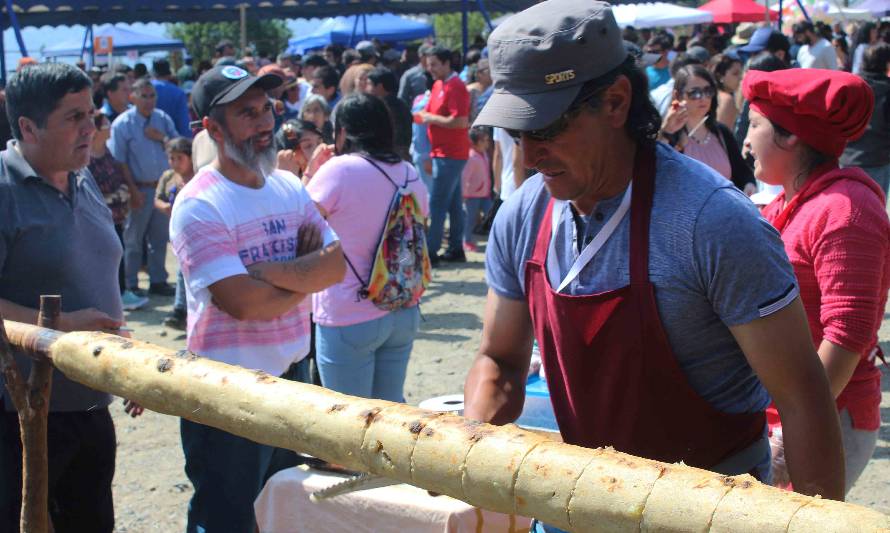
{"x":586,"y":255}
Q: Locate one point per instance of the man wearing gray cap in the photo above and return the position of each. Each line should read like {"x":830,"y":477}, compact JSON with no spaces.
{"x":640,"y":273}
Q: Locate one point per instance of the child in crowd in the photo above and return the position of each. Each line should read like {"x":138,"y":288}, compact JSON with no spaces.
{"x":179,"y":155}
{"x":476,"y":184}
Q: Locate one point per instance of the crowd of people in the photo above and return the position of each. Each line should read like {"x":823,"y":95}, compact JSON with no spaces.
{"x":690,"y":230}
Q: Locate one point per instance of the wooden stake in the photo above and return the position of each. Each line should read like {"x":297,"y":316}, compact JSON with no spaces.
{"x":31,"y":400}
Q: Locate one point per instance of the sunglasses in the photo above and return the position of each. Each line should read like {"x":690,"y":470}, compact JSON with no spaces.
{"x":699,"y":92}
{"x":558,"y":126}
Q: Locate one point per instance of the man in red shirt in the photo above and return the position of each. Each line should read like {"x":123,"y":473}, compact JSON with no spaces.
{"x":447,"y":115}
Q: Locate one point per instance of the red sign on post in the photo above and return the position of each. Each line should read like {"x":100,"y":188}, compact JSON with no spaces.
{"x":103,"y":45}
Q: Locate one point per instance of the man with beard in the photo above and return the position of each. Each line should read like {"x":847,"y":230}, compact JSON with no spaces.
{"x":815,"y":51}
{"x":252,"y":246}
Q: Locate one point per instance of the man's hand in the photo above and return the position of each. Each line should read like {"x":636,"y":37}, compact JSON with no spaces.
{"x":154,"y":134}
{"x":423,"y":117}
{"x":137,"y":198}
{"x":309,"y":239}
{"x":132,"y":408}
{"x":428,"y":167}
{"x":89,"y":319}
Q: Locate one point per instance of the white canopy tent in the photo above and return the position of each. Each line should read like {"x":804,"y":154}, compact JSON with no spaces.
{"x":658,"y":15}
{"x":825,"y":11}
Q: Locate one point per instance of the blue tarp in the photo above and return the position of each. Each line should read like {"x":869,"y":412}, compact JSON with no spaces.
{"x":386,"y":27}
{"x":122,"y":40}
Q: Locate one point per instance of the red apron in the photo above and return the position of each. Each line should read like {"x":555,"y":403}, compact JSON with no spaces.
{"x":613,"y":377}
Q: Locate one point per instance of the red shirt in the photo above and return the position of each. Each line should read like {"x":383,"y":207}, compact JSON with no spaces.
{"x":449,"y":98}
{"x":837,"y":237}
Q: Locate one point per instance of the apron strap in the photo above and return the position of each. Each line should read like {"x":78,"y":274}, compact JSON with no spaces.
{"x":543,"y":241}
{"x":640,"y":213}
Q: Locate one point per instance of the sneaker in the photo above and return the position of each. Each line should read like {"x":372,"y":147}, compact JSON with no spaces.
{"x":435,"y":260}
{"x":132,"y":301}
{"x":162,"y":289}
{"x":454,"y":256}
{"x":470,"y":247}
{"x":176,"y":320}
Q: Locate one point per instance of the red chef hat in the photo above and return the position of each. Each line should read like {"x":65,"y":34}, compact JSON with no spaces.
{"x":825,"y":108}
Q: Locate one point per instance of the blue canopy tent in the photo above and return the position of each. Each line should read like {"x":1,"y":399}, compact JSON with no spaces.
{"x":348,"y":30}
{"x":123,"y":41}
{"x":17,"y":13}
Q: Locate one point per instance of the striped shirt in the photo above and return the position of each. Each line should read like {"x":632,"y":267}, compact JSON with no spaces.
{"x":219,"y":228}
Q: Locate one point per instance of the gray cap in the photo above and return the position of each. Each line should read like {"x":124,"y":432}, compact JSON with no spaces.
{"x":542,"y":56}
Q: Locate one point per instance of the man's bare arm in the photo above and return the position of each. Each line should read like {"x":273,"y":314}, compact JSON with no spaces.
{"x":495,"y":387}
{"x":455,"y":122}
{"x":780,"y":350}
{"x":89,"y":319}
{"x":306,"y":274}
{"x":245,"y":298}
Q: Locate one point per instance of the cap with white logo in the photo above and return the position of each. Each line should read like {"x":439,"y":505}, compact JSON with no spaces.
{"x":539,"y":59}
{"x":224,"y":84}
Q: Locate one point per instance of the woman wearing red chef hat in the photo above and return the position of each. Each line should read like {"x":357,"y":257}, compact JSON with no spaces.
{"x":836,"y":233}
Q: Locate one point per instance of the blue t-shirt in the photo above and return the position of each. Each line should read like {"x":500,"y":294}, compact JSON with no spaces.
{"x":128,"y":144}
{"x":173,"y":101}
{"x":714,"y":261}
{"x":657,"y":76}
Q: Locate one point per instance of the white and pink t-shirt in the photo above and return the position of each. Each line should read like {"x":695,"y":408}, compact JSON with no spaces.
{"x":218,"y":228}
{"x":357,"y":197}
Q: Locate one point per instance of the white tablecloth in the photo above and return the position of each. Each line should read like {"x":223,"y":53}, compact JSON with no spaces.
{"x":284,"y":507}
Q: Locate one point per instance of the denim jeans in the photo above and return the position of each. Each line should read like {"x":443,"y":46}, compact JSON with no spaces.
{"x":368,"y":359}
{"x":446,"y":199}
{"x":146,"y":223}
{"x":179,"y":303}
{"x":472,"y":208}
{"x":425,"y":176}
{"x":228,"y":472}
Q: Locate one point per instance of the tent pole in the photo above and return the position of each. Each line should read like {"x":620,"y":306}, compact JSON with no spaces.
{"x":803,"y":10}
{"x":365,"y":26}
{"x":485,"y":15}
{"x":2,"y":54}
{"x":464,"y":7}
{"x":354,"y":30}
{"x":242,"y":12}
{"x":779,"y":22}
{"x":92,"y":45}
{"x":86,"y":35}
{"x":14,"y":21}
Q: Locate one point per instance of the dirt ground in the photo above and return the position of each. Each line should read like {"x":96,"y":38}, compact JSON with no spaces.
{"x":151,"y":491}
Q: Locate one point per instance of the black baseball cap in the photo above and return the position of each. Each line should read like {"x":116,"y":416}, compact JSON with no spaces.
{"x":540,"y":58}
{"x":225,"y":84}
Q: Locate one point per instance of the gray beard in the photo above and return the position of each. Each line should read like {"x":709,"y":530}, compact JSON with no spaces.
{"x":263,"y":163}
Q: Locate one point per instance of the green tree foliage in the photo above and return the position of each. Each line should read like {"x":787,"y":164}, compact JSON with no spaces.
{"x":263,"y":36}
{"x":448,"y":30}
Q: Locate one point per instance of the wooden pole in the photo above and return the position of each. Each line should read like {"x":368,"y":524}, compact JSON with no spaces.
{"x":31,"y":400}
{"x":505,"y":469}
{"x":242,"y":16}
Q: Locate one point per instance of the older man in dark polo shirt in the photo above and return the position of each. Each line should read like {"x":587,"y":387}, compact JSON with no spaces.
{"x":57,"y":237}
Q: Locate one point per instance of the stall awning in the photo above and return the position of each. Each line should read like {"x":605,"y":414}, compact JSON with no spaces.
{"x":658,"y":15}
{"x":735,"y":11}
{"x":349,"y":30}
{"x":124,"y":41}
{"x":67,"y":12}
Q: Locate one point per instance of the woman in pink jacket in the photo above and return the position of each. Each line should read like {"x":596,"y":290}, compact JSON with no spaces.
{"x":835,"y":230}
